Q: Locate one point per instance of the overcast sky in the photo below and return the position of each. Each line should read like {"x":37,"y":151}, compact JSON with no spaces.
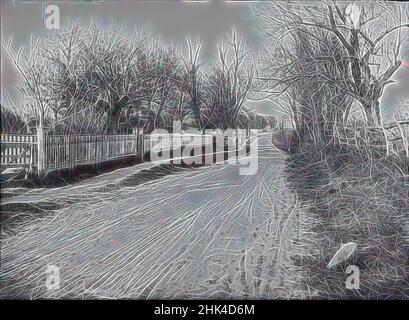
{"x":172,"y":20}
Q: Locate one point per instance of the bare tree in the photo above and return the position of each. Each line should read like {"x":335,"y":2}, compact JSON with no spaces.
{"x":82,"y":72}
{"x":167,"y":79}
{"x":118,"y":71}
{"x":192,"y":81}
{"x":32,"y":69}
{"x":363,"y":37}
{"x":228,"y":83}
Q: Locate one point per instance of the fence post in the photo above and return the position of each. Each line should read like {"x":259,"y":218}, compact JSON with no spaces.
{"x":41,"y":152}
{"x":142,"y":144}
{"x":135,"y":131}
{"x":238,"y":142}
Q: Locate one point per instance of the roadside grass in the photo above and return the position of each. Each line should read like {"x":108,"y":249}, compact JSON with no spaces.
{"x":354,"y":195}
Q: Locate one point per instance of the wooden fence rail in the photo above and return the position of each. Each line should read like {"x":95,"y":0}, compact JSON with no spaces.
{"x":72,"y":150}
{"x":44,"y":152}
{"x":66,"y":151}
{"x":393,"y":136}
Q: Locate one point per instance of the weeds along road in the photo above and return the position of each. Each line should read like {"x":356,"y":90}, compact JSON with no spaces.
{"x":203,"y":233}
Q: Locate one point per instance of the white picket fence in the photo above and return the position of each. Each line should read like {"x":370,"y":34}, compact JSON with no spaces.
{"x":52,"y":152}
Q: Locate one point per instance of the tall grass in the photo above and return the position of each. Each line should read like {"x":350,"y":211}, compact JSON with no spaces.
{"x":357,"y":192}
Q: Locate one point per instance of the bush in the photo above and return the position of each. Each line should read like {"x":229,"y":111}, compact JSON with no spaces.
{"x":10,"y":121}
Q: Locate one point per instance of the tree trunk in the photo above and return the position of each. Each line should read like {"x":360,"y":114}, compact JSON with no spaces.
{"x":369,"y":113}
{"x":113,"y":117}
{"x":377,"y":110}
